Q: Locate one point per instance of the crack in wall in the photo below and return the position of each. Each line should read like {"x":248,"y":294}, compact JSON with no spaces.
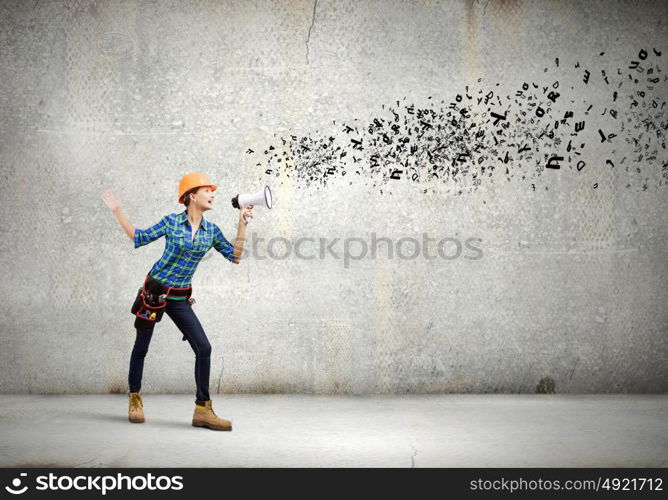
{"x":484,"y":8}
{"x":415,"y":452}
{"x":315,"y":4}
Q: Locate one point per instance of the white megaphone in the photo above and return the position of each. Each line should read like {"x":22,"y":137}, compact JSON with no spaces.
{"x":261,"y":198}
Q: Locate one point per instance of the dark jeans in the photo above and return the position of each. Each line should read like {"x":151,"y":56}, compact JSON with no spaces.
{"x":184,"y":318}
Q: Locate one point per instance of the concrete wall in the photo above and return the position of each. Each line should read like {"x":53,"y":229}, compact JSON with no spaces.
{"x":390,"y":119}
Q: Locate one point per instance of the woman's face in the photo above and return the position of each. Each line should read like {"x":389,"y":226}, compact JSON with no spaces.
{"x":203,"y":198}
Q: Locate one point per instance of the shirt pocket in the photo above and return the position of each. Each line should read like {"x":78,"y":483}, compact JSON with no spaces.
{"x":203,"y":243}
{"x":179,"y":238}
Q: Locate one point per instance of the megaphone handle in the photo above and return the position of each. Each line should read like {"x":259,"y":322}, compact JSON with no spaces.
{"x":246,"y":219}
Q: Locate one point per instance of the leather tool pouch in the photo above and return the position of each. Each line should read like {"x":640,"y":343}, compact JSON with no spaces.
{"x":149,"y":304}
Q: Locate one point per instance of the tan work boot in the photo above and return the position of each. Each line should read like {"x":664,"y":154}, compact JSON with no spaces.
{"x":136,"y":410}
{"x":205,"y":417}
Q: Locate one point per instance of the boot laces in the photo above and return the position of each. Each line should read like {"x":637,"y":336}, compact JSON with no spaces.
{"x":135,"y":401}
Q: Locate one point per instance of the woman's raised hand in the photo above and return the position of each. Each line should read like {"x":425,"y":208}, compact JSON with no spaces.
{"x":245,"y":214}
{"x":110,"y":200}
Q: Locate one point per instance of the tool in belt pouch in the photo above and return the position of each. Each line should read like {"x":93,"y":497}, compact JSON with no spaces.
{"x":150,"y":302}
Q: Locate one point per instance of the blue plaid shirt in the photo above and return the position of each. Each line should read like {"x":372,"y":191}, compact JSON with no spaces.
{"x":178,"y":262}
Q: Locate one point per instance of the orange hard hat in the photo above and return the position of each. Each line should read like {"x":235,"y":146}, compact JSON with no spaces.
{"x":194,"y":180}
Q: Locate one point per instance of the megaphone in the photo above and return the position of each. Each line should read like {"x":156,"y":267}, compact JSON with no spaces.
{"x":261,"y":198}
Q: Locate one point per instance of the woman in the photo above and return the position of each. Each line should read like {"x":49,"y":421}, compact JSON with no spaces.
{"x":189,"y":236}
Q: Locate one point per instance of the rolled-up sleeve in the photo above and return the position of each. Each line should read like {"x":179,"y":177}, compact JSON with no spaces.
{"x":221,"y":244}
{"x":146,"y":236}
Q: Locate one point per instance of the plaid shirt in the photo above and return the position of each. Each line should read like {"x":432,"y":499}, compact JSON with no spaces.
{"x":178,"y":263}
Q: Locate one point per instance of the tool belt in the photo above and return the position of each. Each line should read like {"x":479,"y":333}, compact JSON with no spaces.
{"x":150,"y":302}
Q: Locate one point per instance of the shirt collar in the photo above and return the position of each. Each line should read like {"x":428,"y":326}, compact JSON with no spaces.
{"x":182,"y":218}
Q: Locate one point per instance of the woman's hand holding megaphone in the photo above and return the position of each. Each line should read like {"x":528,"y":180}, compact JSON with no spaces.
{"x":245,"y":214}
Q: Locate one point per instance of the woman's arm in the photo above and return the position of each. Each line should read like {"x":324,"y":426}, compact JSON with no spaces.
{"x":239,"y":242}
{"x":244,"y":213}
{"x":127,"y":226}
{"x":114,"y":205}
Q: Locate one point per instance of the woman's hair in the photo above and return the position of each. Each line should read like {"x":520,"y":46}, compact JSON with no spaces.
{"x":186,"y":195}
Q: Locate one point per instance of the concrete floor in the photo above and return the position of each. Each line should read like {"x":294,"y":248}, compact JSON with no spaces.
{"x":276,"y":430}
